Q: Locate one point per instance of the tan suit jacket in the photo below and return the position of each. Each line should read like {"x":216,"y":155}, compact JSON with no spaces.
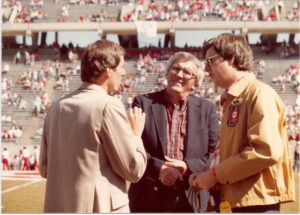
{"x":88,"y":151}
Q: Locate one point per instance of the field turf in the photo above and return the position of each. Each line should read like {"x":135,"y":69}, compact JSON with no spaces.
{"x":30,"y":198}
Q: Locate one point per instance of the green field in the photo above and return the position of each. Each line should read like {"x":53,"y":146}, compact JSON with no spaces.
{"x":30,"y":199}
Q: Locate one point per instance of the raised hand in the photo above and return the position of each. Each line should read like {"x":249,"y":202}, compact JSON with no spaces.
{"x":137,"y":120}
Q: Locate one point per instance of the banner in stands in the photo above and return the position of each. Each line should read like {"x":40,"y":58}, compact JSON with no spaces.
{"x":146,"y":28}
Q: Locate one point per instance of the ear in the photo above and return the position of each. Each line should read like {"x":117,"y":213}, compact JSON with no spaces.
{"x":231,"y":61}
{"x":196,"y":85}
{"x":107,"y":72}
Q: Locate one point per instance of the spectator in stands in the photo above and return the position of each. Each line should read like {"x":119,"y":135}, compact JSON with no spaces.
{"x":27,"y":58}
{"x":17,"y":57}
{"x":253,"y":134}
{"x":4,"y":133}
{"x":37,"y":106}
{"x":173,"y":119}
{"x":106,"y":145}
{"x":5,"y":69}
{"x":5,"y":159}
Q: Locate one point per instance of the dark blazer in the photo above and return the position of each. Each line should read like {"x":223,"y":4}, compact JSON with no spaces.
{"x":202,"y":130}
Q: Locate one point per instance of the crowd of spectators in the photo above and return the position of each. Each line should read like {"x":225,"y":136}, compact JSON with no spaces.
{"x":149,"y":63}
{"x":287,"y":51}
{"x":291,"y":76}
{"x":29,"y":57}
{"x":26,"y":13}
{"x":25,"y":160}
{"x":293,"y":13}
{"x":103,"y":2}
{"x":12,"y":132}
{"x":171,"y":10}
{"x":41,"y":105}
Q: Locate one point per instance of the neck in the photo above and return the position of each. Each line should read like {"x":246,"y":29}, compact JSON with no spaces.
{"x":236,"y":75}
{"x":102,"y":82}
{"x":175,"y":98}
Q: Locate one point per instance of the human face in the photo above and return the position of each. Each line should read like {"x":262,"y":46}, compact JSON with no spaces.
{"x":217,"y":68}
{"x":115,"y":76}
{"x":181,"y":78}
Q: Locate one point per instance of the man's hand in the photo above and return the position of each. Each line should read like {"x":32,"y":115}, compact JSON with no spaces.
{"x":180,"y":165}
{"x":203,"y":180}
{"x":137,"y":120}
{"x":168,"y":175}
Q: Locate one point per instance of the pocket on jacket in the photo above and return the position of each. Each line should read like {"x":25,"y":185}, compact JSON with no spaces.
{"x":119,"y":200}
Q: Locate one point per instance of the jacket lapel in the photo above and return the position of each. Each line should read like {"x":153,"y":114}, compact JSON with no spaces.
{"x":159,"y":113}
{"x":193,"y":109}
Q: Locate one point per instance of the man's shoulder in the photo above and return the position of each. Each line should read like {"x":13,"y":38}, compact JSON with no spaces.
{"x":151,"y":96}
{"x":113,"y":101}
{"x":258,"y":87}
{"x":200,"y":101}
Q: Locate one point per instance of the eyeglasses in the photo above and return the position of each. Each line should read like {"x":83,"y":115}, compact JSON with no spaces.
{"x":186,"y":73}
{"x":209,"y":61}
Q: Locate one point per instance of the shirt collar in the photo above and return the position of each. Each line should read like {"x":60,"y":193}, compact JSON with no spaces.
{"x":91,"y":86}
{"x":168,"y":102}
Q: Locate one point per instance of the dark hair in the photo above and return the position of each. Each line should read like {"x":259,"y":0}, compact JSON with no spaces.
{"x":97,"y":57}
{"x":229,"y":46}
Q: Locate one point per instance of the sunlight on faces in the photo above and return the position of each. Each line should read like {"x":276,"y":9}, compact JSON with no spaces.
{"x":116,"y":76}
{"x":216,"y":67}
{"x":181,"y":77}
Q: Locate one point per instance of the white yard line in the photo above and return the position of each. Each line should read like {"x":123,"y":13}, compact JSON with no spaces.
{"x":22,"y":185}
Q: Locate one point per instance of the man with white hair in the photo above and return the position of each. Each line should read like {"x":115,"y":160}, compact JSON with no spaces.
{"x":179,"y":137}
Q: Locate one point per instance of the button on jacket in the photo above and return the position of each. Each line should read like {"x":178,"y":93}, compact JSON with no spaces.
{"x":255,"y":162}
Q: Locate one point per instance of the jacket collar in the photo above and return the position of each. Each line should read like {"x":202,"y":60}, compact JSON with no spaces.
{"x":91,"y":86}
{"x":160,"y":118}
{"x":239,"y":87}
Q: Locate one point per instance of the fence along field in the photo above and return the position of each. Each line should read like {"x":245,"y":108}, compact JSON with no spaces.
{"x":23,"y":192}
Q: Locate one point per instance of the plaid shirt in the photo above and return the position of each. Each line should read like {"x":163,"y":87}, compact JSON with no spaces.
{"x":176,"y":127}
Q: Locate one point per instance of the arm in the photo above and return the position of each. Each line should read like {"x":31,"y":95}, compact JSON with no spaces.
{"x":124,"y":150}
{"x":264,"y":148}
{"x":150,"y":140}
{"x":200,"y":164}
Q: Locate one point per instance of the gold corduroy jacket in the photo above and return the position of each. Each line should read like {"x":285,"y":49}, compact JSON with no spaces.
{"x":255,"y":163}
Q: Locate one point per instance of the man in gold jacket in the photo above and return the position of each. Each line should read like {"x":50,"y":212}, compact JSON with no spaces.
{"x":252,"y":163}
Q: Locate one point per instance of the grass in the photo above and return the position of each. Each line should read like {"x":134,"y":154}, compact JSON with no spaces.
{"x":292,"y":207}
{"x":30,"y":199}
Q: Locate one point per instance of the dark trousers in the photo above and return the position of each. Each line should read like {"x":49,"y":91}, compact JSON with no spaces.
{"x":164,"y":200}
{"x":258,"y":209}
{"x":174,"y":201}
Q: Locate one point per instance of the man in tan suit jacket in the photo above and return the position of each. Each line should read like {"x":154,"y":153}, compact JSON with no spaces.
{"x":90,"y":147}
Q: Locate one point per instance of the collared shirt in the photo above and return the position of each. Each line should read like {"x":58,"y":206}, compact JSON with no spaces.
{"x":255,"y":162}
{"x":176,"y":128}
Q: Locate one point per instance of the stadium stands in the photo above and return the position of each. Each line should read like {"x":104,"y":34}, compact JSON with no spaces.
{"x":39,"y":11}
{"x":48,"y":74}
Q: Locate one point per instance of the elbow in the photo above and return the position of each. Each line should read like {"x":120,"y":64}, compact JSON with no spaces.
{"x":138,"y":172}
{"x":275,"y":158}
